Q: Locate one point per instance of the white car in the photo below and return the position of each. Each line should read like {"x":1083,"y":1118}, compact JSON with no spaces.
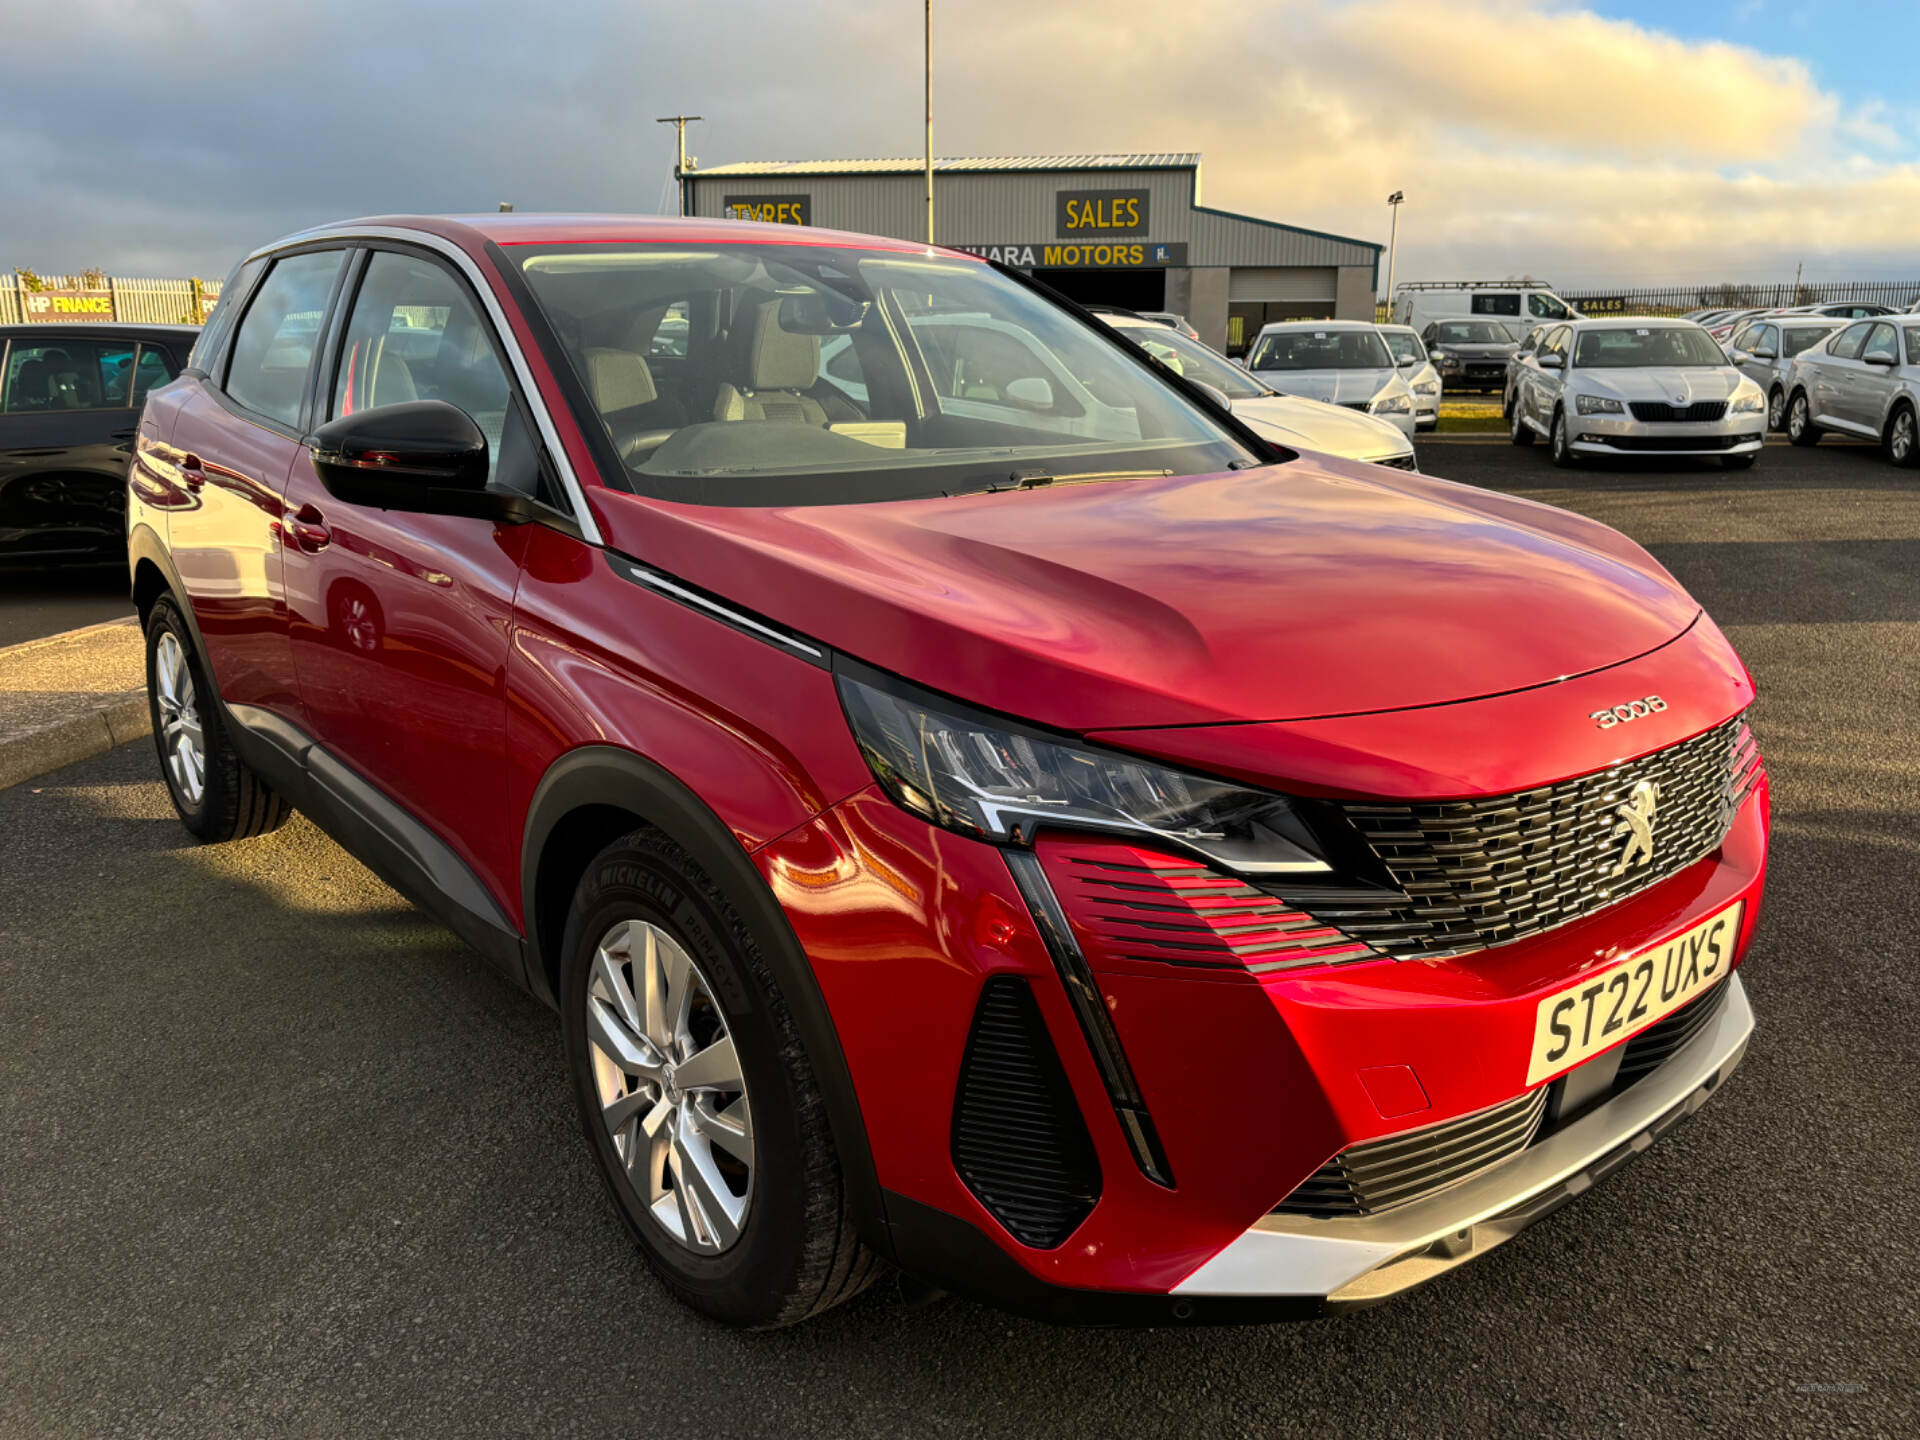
{"x":1343,"y":362}
{"x":1409,"y":353}
{"x":1285,"y":419}
{"x":1637,"y":387}
{"x":1421,"y":302}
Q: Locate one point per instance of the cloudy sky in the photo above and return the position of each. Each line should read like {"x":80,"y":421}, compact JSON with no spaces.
{"x":1653,"y":140}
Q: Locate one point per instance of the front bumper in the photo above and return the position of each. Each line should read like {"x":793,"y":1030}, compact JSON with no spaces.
{"x":1624,"y":435}
{"x":1355,"y":1261}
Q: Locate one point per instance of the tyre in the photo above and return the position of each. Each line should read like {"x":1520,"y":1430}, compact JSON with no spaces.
{"x":1518,"y":431}
{"x":1777,"y":409}
{"x":1736,"y":462}
{"x":697,"y":1097}
{"x":1902,"y":438}
{"x":1800,"y":427}
{"x":216,"y":796}
{"x":1560,"y":444}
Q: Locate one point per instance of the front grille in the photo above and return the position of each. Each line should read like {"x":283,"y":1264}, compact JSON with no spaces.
{"x":1019,"y":1142}
{"x":1651,"y":1048}
{"x":1475,"y":873}
{"x":1128,"y":903}
{"x":1657,"y":410}
{"x":1399,"y":462}
{"x":1400,"y":1169}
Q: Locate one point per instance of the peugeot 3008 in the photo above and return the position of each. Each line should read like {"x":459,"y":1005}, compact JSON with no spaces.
{"x":1099,"y":862}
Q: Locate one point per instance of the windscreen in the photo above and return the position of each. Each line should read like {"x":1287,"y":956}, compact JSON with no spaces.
{"x":1404,"y":345}
{"x":1319,"y":350}
{"x":1471,"y":332}
{"x":1646,"y":345}
{"x":799,"y":374}
{"x":1194,"y":361}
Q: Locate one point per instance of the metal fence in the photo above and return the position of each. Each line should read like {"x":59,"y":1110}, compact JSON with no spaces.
{"x":109,"y":297}
{"x":1679,"y":299}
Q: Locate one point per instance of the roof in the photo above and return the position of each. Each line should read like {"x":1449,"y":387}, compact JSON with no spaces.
{"x":106,"y":329}
{"x":952,"y":164}
{"x":532,"y":228}
{"x":1279,"y":325}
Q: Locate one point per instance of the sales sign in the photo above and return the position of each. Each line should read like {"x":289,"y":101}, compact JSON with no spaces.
{"x":1084,"y":214}
{"x":771,"y":209}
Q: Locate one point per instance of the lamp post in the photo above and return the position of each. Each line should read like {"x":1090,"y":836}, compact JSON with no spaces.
{"x":679,"y":123}
{"x":1393,"y":242}
{"x":927,"y":73}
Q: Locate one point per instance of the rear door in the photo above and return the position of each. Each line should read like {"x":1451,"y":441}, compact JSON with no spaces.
{"x":66,"y":431}
{"x":236,"y":435}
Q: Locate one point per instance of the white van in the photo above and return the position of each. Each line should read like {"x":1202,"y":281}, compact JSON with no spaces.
{"x":1523,"y":304}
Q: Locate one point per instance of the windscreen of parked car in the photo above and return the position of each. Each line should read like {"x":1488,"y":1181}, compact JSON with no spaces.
{"x":1404,"y":345}
{"x":1630,"y":346}
{"x":1471,"y":332}
{"x":1319,"y":350}
{"x":799,"y":374}
{"x":1194,"y":361}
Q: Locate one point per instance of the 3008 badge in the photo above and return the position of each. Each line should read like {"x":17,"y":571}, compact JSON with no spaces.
{"x":1631,"y":710}
{"x":1579,"y":1022}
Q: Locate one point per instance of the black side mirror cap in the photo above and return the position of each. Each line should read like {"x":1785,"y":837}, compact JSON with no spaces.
{"x":422,"y":456}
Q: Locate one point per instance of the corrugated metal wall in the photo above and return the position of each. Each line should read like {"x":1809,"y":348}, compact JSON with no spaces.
{"x":1017,"y":207}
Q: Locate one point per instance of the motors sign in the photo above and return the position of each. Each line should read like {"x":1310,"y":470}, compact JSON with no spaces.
{"x":771,"y":209}
{"x":1091,"y":214}
{"x":61,"y":306}
{"x":1045,"y":255}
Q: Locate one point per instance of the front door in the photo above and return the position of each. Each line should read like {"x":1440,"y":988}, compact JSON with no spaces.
{"x":1873,"y":384}
{"x":400,"y":622}
{"x":236,"y":436}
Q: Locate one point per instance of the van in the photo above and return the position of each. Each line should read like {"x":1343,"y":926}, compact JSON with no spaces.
{"x":1419,"y":303}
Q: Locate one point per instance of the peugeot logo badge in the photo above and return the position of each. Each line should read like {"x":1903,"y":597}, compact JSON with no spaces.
{"x":1636,"y":824}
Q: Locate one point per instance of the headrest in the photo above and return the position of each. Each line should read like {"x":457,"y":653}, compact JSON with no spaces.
{"x":777,"y":360}
{"x":618,"y":380}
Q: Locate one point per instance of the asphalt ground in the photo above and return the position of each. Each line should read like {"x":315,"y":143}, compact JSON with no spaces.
{"x":283,"y":1158}
{"x":37,"y":603}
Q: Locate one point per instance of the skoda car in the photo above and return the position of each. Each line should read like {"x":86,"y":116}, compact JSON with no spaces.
{"x":1143,"y":874}
{"x":1863,"y":382}
{"x":1599,"y":388}
{"x":1343,"y":362}
{"x":1416,"y":368}
{"x":1285,"y":419}
{"x":1764,"y":351}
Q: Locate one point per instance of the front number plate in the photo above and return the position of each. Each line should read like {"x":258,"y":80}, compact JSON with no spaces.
{"x":1579,"y":1022}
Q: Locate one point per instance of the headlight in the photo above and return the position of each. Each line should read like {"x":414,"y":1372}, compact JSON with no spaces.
{"x":995,"y":780}
{"x":1597,"y":405}
{"x":1391,"y":405}
{"x":1426,"y":387}
{"x":1747,"y":400}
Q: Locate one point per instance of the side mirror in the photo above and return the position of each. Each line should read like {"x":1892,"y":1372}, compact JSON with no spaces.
{"x":422,"y":456}
{"x":1029,"y":392}
{"x":1739,"y":357}
{"x":1765,"y":352}
{"x":1552,"y":361}
{"x":1886,"y":360}
{"x":1407,"y":362}
{"x":1217,"y":396}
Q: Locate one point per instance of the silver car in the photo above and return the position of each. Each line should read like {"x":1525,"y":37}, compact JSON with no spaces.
{"x":1343,"y":362}
{"x":1416,"y":368}
{"x":1471,"y":354}
{"x":1286,"y":419}
{"x":1764,"y":350}
{"x":1863,"y":380}
{"x":1637,"y":387}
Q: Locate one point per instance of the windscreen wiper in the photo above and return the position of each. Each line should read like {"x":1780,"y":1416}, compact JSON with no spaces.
{"x":1037,"y":479}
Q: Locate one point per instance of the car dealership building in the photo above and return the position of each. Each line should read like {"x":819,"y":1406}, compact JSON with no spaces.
{"x":1110,"y":229}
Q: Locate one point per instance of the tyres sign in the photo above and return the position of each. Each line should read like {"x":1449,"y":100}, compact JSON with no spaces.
{"x":61,"y":306}
{"x":1085,"y":214}
{"x":771,"y":209}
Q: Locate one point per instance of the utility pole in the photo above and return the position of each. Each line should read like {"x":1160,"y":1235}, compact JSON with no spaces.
{"x":1393,"y":244}
{"x":679,"y":123}
{"x":927,"y":35}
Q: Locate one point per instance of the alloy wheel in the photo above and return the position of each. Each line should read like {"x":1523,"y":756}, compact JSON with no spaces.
{"x":1776,"y":410}
{"x":1797,"y":417}
{"x":1901,"y":442}
{"x":181,"y":739}
{"x":671,"y":1091}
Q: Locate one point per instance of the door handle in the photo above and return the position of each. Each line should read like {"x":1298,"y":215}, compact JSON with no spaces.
{"x":309,"y":530}
{"x":193,"y":472}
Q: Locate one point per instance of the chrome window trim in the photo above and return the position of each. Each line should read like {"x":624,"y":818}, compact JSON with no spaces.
{"x":536,"y":402}
{"x":653,"y":580}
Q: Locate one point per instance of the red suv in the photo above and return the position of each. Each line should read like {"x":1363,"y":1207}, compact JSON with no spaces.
{"x":974,"y":804}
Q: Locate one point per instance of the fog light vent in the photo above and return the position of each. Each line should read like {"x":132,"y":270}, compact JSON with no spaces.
{"x":1019,"y":1141}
